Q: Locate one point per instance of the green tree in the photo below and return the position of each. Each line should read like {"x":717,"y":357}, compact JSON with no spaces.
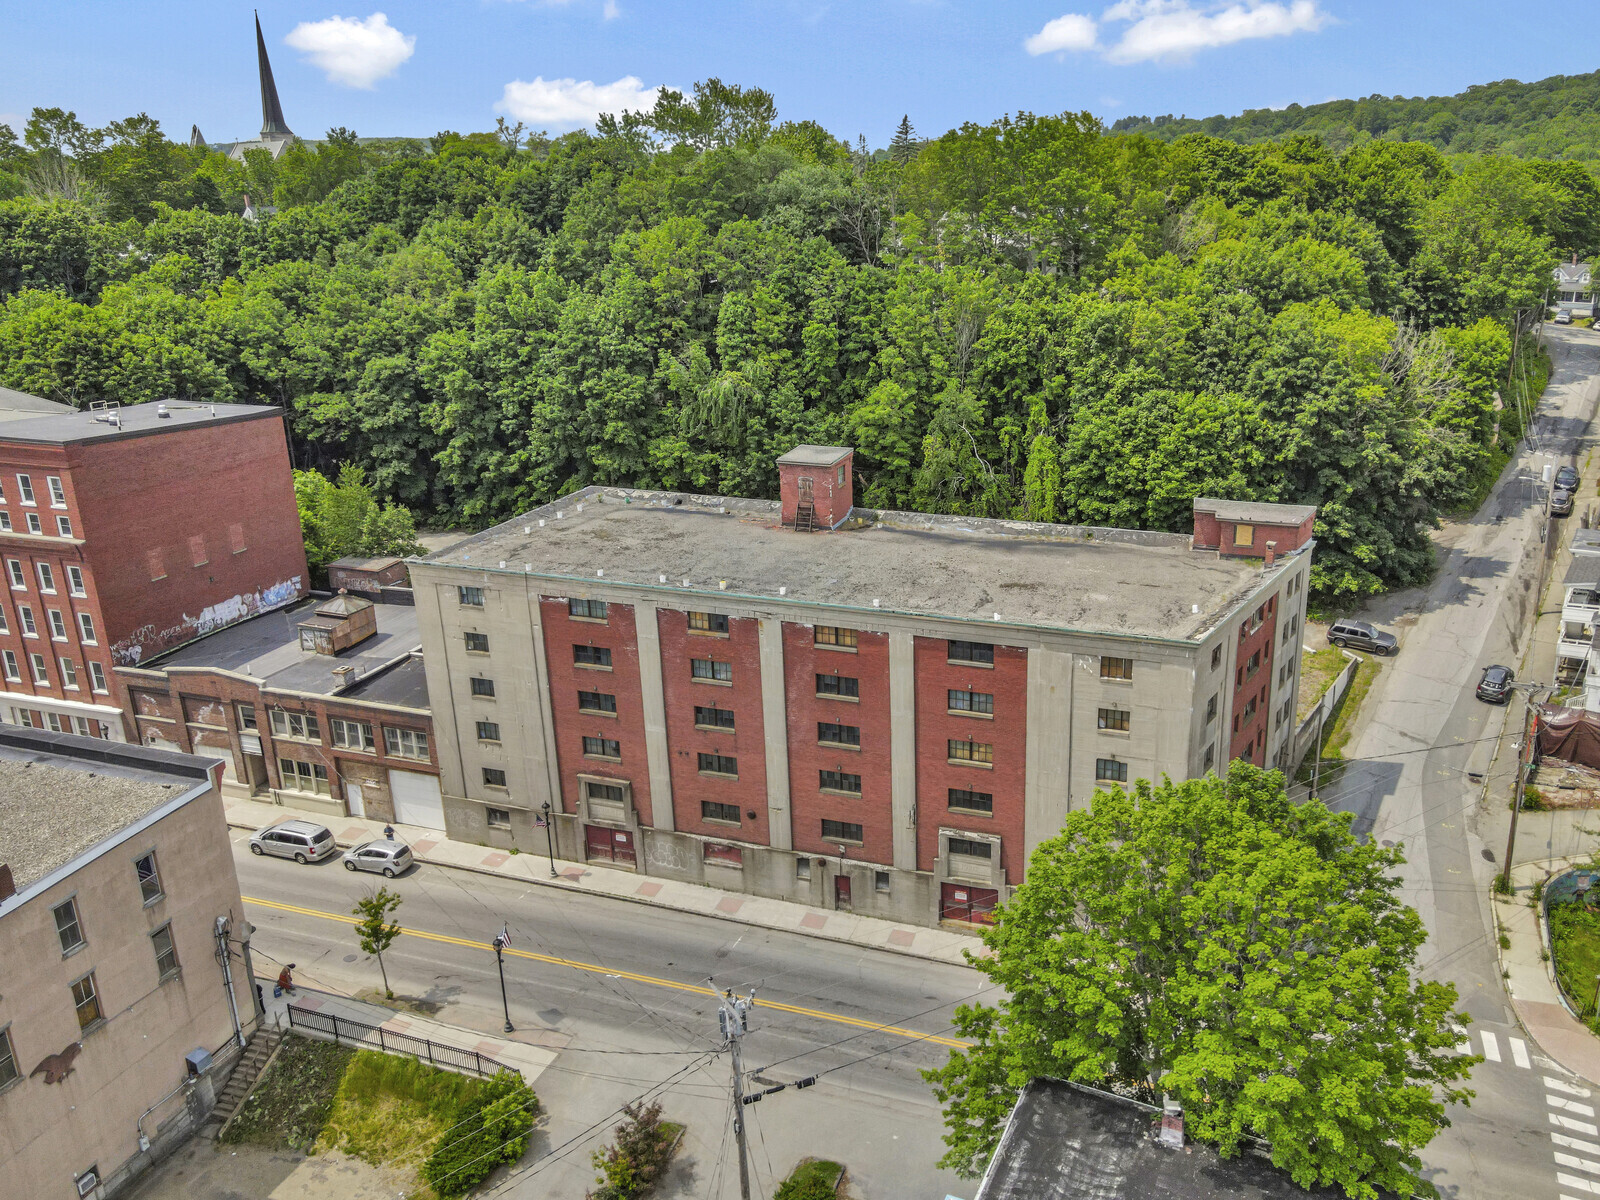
{"x":903,"y":146}
{"x":1248,"y":956}
{"x":493,"y":1128}
{"x":344,"y":518}
{"x":374,"y":930}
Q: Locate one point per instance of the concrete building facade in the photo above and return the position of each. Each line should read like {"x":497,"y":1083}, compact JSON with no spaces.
{"x":126,"y":532}
{"x":886,"y":717}
{"x":118,"y":1018}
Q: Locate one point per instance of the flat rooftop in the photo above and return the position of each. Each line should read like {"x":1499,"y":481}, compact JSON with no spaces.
{"x":405,"y":685}
{"x":1063,"y":577}
{"x":134,"y":420}
{"x":61,"y":795}
{"x":268,"y":649}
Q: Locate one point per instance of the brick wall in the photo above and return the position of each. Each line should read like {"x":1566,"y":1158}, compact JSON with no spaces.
{"x":1256,"y":635}
{"x":1007,"y":732}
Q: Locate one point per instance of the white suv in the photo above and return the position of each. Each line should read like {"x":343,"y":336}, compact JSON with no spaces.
{"x":300,"y":840}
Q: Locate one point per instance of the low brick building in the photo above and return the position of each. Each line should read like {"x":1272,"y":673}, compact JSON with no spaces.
{"x":322,"y":706}
{"x":878,"y":711}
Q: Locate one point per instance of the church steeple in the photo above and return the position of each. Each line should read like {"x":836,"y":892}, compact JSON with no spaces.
{"x":273,"y":126}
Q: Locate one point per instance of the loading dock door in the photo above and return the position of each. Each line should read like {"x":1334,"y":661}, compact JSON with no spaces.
{"x":416,"y":799}
{"x":961,"y":902}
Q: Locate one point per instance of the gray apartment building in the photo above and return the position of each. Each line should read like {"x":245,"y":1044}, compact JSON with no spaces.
{"x":876,"y":711}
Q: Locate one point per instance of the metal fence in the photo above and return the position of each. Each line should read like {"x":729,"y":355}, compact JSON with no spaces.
{"x":375,"y":1037}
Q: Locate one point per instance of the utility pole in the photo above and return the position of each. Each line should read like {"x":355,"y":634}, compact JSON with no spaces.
{"x":733,"y":1015}
{"x":1524,"y":756}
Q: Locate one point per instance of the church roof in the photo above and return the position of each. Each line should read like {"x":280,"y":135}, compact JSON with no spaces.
{"x":273,"y":125}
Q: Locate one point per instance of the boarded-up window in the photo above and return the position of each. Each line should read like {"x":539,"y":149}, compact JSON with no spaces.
{"x":197,"y":551}
{"x":158,"y":569}
{"x":205,"y":710}
{"x":236,"y":537}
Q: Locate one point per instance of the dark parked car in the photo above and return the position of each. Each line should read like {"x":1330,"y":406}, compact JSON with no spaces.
{"x":1567,"y":477}
{"x":1360,"y":636}
{"x":1561,"y":502}
{"x":1495,"y":686}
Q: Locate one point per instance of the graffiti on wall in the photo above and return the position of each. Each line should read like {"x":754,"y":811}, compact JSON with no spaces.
{"x":147,"y":639}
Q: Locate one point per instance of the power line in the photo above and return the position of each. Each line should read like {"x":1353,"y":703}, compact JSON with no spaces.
{"x":993,"y":987}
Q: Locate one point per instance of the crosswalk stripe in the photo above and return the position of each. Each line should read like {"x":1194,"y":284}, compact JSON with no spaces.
{"x":1581,"y":1164}
{"x":1561,"y":1085}
{"x":1519,"y":1052}
{"x":1491,"y":1047}
{"x":1573,"y":1143}
{"x":1582,"y":1185}
{"x":1569,"y":1105}
{"x":1570,"y":1123}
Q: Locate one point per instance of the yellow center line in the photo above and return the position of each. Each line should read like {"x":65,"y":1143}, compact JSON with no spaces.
{"x":653,"y":981}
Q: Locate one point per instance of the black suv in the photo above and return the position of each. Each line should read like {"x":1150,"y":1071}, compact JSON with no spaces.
{"x":1495,"y":686}
{"x":1361,"y":636}
{"x":1560,"y":502}
{"x":1567,"y":477}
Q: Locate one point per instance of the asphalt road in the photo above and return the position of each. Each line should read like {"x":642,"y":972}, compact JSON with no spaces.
{"x":637,"y":1009}
{"x":1422,"y":733}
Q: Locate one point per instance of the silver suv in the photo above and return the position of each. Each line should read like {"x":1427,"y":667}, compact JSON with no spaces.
{"x":302,"y":841}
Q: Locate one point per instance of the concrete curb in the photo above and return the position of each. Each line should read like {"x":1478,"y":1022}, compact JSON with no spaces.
{"x":735,"y":918}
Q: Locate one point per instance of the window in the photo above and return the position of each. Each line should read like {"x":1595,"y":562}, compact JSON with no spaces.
{"x":149,"y":877}
{"x":63,"y":527}
{"x":5,"y":625}
{"x":8,"y":1060}
{"x":1253,"y":665}
{"x":86,"y":627}
{"x":971,"y":652}
{"x":47,"y":578}
{"x":592,"y":656}
{"x":1244,"y":535}
{"x":166,"y":952}
{"x":67,"y":927}
{"x":58,"y":494}
{"x":40,"y":675}
{"x":1115,"y":668}
{"x":587,"y":610}
{"x":494,"y":777}
{"x":841,"y":831}
{"x":596,"y":702}
{"x":713,"y":718}
{"x":1211,"y":707}
{"x":965,"y":800}
{"x":472,"y":597}
{"x":1110,"y":768}
{"x":407,"y":743}
{"x":58,"y":625}
{"x":9,"y":658}
{"x":25,"y":488}
{"x":29,"y":629}
{"x":833,"y":637}
{"x":596,"y":747}
{"x":705,"y":668}
{"x":970,"y":702}
{"x":718,"y":764}
{"x":5,"y":522}
{"x":723,"y":854}
{"x":14,"y":570}
{"x":35,"y":525}
{"x":247,"y":716}
{"x":481,"y":686}
{"x":710,"y":810}
{"x":97,"y":677}
{"x":352,"y":735}
{"x":477,"y":643}
{"x":880,"y":881}
{"x":703,"y":622}
{"x":300,"y":727}
{"x":303,"y":776}
{"x":839,"y":781}
{"x":1210,"y":759}
{"x":498,"y":818}
{"x":974,"y":752}
{"x":1114,"y":718}
{"x":1216,"y":657}
{"x":603,"y":791}
{"x":838,"y":735}
{"x":971,"y":847}
{"x":53,"y":720}
{"x":80,"y":726}
{"x":489,"y":731}
{"x":69,"y":673}
{"x":802,"y":867}
{"x":838,"y":685}
{"x":87,"y":1001}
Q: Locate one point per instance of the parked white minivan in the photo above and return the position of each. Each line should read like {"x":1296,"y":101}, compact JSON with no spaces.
{"x":302,"y":841}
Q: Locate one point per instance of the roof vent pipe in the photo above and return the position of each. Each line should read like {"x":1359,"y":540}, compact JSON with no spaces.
{"x":161,"y":412}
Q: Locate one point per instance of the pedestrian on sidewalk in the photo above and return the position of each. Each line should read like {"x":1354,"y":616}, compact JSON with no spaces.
{"x":388,"y":832}
{"x":285,"y":979}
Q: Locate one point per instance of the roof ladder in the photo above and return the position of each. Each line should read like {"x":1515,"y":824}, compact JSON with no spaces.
{"x":805,"y":517}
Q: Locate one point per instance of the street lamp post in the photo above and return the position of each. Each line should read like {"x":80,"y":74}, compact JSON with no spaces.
{"x":550,"y":837}
{"x":501,"y":941}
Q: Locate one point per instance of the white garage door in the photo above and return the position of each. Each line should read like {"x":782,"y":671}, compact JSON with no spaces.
{"x":416,"y":799}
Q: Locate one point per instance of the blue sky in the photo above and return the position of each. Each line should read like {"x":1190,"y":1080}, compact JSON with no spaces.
{"x":405,"y":68}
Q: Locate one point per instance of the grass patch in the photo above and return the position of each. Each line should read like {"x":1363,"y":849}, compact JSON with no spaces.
{"x":391,"y":1109}
{"x":813,"y":1179}
{"x":1342,"y":724}
{"x":289,"y":1108}
{"x":1575,"y":942}
{"x":1317,"y":671}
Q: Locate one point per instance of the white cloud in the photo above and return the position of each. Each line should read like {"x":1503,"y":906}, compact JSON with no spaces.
{"x":351,"y":51}
{"x":1173,"y":30}
{"x":612,"y":12}
{"x":1070,"y":32}
{"x":571,"y":103}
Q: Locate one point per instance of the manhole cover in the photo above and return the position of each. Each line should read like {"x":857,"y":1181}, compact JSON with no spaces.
{"x":1487,"y":853}
{"x":349,"y":958}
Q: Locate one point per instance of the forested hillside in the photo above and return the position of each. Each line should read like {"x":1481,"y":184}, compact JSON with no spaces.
{"x":1555,"y":118}
{"x":1027,"y":318}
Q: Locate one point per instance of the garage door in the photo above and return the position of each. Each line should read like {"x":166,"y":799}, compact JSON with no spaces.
{"x":416,"y":799}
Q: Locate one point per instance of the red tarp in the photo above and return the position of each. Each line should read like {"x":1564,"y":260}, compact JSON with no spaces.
{"x":1570,"y":734}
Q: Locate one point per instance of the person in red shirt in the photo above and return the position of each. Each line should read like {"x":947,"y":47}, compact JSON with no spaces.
{"x":285,"y":979}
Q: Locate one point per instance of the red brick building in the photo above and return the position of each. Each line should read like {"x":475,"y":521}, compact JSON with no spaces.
{"x":876,"y":711}
{"x":126,"y":532}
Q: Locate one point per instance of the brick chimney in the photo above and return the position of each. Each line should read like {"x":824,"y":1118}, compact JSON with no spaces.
{"x":1272,"y":553}
{"x":816,"y":484}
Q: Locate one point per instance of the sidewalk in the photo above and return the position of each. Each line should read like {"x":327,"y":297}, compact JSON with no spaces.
{"x":432,"y":847}
{"x":1531,"y":982}
{"x":530,"y":1060}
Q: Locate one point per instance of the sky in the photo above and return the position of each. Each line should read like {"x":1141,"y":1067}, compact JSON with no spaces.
{"x":401,"y":68}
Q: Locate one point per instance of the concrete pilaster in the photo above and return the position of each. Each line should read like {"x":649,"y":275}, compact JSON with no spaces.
{"x":775,"y":729}
{"x":1047,"y":789}
{"x":903,"y":748}
{"x":648,"y":632}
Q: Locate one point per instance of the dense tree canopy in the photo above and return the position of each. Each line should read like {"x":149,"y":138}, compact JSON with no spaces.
{"x":1216,"y":943}
{"x":1029,"y":318}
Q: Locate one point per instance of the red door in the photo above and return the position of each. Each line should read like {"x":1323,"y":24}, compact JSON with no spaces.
{"x":610,"y":845}
{"x":622,"y":847}
{"x":960,"y":902}
{"x":841,"y":892}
